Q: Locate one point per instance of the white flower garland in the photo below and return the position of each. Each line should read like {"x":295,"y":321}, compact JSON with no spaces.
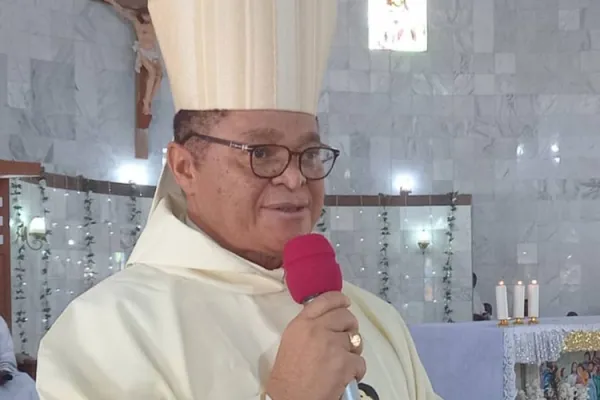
{"x":447,"y":269}
{"x":20,"y":294}
{"x":322,"y":224}
{"x":384,"y":263}
{"x":45,"y":290}
{"x":89,"y":270}
{"x":135,"y":215}
{"x":566,"y":391}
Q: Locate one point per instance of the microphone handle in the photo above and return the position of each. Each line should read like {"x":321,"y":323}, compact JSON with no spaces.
{"x":351,"y":391}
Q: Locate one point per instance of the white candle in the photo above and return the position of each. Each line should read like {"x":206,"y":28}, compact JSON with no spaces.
{"x":533,"y":299}
{"x":519,"y":301}
{"x":501,"y":301}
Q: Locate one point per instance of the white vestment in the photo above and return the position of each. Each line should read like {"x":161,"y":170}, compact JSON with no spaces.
{"x":21,"y":387}
{"x":190,"y":320}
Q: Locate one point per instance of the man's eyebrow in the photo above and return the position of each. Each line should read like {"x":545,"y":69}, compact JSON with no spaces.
{"x":274,"y":136}
{"x":263,"y":135}
{"x":309,"y":137}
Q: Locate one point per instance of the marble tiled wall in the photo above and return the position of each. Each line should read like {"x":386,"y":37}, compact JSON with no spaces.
{"x":415,"y":285}
{"x":67,"y":89}
{"x":113,"y":243}
{"x":504,"y":105}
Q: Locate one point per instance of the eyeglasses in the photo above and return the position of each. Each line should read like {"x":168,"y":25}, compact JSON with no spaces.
{"x":269,"y":161}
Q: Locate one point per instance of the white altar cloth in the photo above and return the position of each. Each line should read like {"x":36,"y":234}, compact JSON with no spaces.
{"x":463,"y":360}
{"x":476,"y":360}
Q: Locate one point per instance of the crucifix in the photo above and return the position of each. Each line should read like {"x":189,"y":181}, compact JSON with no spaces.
{"x":148,"y":68}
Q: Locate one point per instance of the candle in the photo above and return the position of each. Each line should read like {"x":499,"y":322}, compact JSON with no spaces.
{"x":519,"y":301}
{"x":533,"y":296}
{"x":501,"y":301}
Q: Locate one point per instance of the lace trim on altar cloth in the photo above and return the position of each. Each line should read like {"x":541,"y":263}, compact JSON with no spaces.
{"x":510,"y":376}
{"x":537,"y":344}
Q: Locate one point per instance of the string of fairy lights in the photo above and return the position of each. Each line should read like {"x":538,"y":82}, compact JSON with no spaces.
{"x":78,"y":249}
{"x":397,"y":238}
{"x":46,"y":253}
{"x":20,"y":285}
{"x":96,"y":247}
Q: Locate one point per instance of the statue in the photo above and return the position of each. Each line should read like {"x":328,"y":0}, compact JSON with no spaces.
{"x":147,"y":51}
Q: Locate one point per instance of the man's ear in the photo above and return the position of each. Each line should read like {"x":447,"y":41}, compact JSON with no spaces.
{"x":183,"y":166}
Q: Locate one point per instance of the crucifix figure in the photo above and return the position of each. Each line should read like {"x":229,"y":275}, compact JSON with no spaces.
{"x":146,"y":48}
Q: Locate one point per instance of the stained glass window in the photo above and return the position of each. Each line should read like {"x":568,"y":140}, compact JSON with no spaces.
{"x":398,"y":25}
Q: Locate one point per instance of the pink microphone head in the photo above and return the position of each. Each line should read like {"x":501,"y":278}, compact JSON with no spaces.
{"x":310,"y":267}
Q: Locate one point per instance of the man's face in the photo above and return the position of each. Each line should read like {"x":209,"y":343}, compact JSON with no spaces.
{"x":241,"y":211}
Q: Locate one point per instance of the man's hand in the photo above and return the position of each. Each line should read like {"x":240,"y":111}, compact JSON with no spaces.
{"x":316,"y":358}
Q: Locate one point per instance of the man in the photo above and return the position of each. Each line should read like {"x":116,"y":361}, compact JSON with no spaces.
{"x":202,"y":311}
{"x":146,"y":48}
{"x":14,"y":385}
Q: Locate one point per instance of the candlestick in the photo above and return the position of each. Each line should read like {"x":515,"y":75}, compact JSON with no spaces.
{"x":501,"y":302}
{"x":519,"y":302}
{"x":533,"y":296}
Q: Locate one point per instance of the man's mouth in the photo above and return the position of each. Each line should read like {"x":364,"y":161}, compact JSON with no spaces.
{"x":288,"y":208}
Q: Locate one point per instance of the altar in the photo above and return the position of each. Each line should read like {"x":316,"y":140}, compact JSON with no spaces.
{"x":479,"y":360}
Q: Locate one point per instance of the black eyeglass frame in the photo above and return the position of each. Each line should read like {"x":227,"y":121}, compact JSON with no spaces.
{"x":250,"y":148}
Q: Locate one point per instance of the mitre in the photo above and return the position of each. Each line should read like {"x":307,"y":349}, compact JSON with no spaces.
{"x":242,"y":55}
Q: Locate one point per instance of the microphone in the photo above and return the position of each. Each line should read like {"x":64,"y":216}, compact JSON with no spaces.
{"x":310,"y":270}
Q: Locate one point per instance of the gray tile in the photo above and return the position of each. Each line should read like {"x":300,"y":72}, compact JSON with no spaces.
{"x":53,"y":88}
{"x":3,"y":79}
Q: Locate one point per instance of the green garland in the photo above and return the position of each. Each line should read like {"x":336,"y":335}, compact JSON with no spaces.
{"x":89,"y":271}
{"x":135,"y":215}
{"x":384,"y":263}
{"x":322,"y":224}
{"x":20,"y":294}
{"x":45,"y":290}
{"x":447,"y":270}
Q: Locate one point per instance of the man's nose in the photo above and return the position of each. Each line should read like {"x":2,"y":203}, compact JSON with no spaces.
{"x":292,"y":177}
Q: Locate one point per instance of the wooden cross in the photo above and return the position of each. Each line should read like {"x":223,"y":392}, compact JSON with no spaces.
{"x":142,"y":121}
{"x":148,"y":67}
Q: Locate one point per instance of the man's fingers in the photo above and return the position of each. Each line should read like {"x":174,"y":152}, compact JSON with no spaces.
{"x":340,"y":320}
{"x":357,"y":367}
{"x":348,"y":341}
{"x":325,"y":303}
